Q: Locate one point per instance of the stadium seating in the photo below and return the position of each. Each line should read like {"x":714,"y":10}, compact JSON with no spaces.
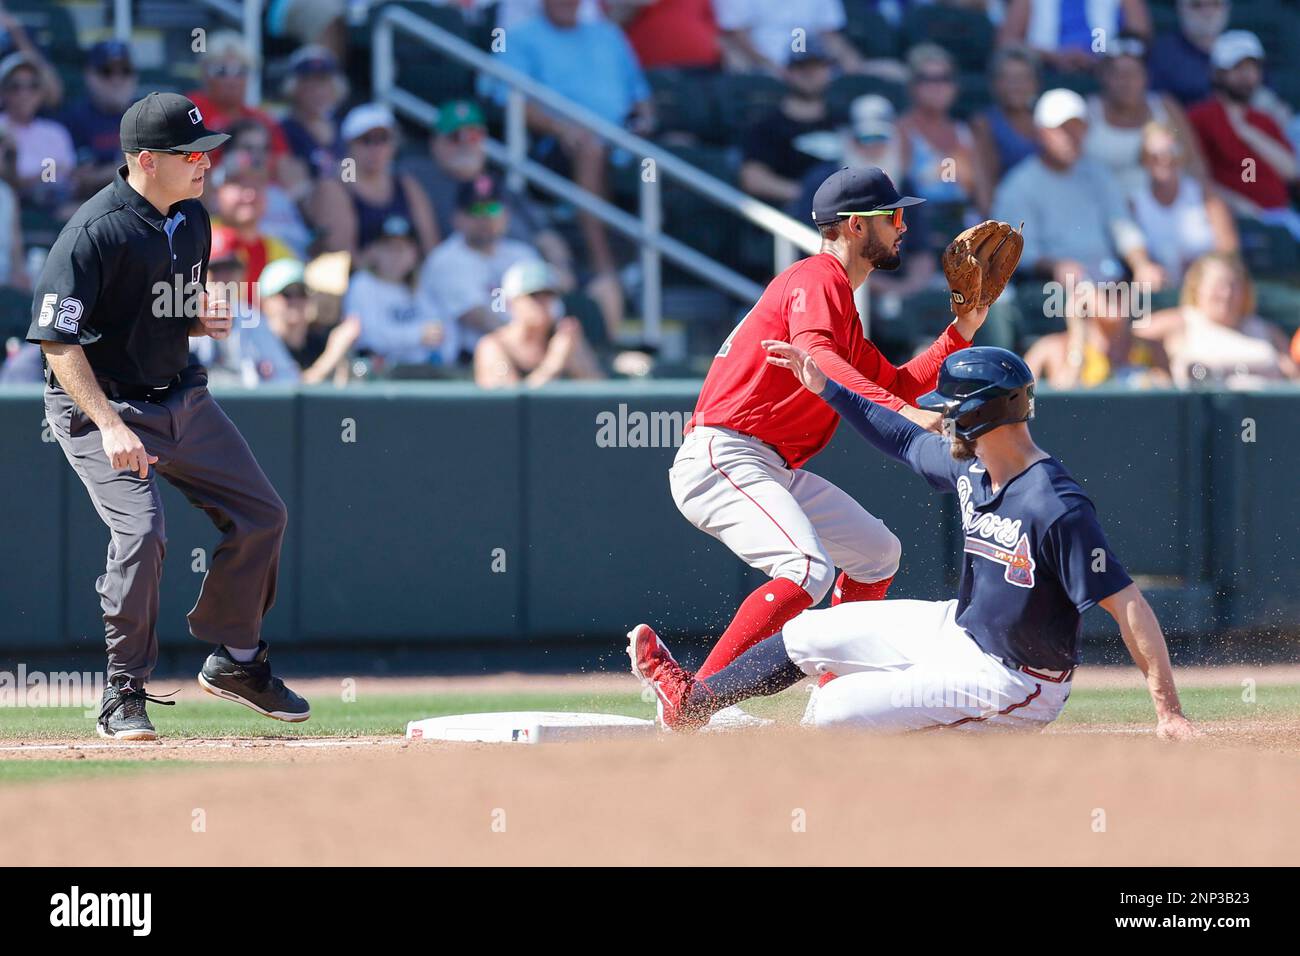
{"x":868,"y":31}
{"x":680,"y":107}
{"x":845,"y":89}
{"x":966,"y":34}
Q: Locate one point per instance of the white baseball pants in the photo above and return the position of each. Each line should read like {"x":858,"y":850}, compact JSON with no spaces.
{"x":788,"y":523}
{"x":908,"y":665}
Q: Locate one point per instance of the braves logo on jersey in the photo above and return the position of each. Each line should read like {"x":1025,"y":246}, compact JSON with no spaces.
{"x":1020,"y":564}
{"x":999,"y":539}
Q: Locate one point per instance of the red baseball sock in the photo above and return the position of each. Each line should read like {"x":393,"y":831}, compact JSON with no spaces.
{"x":760,"y":616}
{"x":846,"y":590}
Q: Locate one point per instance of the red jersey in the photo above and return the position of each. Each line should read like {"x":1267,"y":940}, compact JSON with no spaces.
{"x":1225,"y":152}
{"x":218,"y":120}
{"x":809,"y":305}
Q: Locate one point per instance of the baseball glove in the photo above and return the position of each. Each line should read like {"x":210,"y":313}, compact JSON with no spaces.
{"x":979,"y":262}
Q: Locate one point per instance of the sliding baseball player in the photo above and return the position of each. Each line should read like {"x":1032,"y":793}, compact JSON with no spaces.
{"x":1003,"y":652}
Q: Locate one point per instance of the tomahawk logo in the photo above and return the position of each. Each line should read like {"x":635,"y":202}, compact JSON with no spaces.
{"x":75,"y":908}
{"x":1020,"y":563}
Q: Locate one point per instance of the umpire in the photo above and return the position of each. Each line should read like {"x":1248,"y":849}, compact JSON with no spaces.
{"x":120,"y":294}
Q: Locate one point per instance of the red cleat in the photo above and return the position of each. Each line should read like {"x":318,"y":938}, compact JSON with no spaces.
{"x":653,"y":663}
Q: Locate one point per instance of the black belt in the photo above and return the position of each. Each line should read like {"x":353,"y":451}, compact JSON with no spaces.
{"x":121,"y":391}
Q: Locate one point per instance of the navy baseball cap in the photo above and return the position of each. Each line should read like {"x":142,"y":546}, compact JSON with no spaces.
{"x":813,"y":51}
{"x":856,"y":190}
{"x":109,"y":51}
{"x":167,"y":121}
{"x":312,"y":59}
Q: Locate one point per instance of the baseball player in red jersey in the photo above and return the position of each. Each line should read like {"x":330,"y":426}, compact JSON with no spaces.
{"x":738,"y":475}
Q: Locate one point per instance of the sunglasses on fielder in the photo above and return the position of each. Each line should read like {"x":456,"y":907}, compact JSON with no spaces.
{"x":896,"y":214}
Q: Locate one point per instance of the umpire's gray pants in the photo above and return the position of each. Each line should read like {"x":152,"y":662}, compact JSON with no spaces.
{"x":200,"y":452}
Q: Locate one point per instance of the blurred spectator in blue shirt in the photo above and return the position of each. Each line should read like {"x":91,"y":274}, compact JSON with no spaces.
{"x":1180,"y":61}
{"x":589,"y":62}
{"x":315,"y":88}
{"x":1063,"y":32}
{"x":1004,"y":131}
{"x":592,"y":64}
{"x":252,"y":354}
{"x":396,"y":327}
{"x":95,"y":119}
{"x":943,"y":166}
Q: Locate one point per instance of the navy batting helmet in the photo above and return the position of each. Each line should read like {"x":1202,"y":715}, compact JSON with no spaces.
{"x":979,"y":389}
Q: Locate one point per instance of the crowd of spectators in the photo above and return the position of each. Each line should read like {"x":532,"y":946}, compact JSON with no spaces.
{"x":1139,"y":141}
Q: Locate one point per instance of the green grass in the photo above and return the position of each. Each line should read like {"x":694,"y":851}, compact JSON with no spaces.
{"x":379,"y":714}
{"x":34,"y":771}
{"x":371,"y":715}
{"x":1125,"y":706}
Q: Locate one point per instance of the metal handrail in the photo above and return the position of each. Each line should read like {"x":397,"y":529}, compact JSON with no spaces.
{"x":788,"y":234}
{"x":621,"y":221}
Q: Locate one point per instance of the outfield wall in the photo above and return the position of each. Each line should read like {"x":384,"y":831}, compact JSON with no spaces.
{"x":433,"y":512}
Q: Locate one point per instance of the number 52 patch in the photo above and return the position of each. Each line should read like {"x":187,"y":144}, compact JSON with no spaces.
{"x":69,"y":314}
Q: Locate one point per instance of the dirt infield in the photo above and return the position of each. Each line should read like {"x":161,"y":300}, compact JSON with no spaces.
{"x":787,"y":796}
{"x":1078,"y":794}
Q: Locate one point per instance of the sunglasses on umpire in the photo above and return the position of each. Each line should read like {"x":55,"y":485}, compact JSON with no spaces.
{"x":191,"y":156}
{"x":896,"y":214}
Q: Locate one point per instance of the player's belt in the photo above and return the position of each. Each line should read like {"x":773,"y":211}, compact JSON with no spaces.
{"x":138,"y":393}
{"x":1056,"y":677}
{"x":120,"y":391}
{"x":747,"y":435}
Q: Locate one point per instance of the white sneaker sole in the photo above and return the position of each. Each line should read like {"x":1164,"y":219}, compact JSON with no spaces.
{"x":126,"y":734}
{"x":273,"y":714}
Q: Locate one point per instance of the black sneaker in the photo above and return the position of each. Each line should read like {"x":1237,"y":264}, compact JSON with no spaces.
{"x":252,"y":685}
{"x":122,"y":713}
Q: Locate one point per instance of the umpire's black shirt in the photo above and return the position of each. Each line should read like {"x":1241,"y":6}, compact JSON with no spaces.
{"x":121,"y":282}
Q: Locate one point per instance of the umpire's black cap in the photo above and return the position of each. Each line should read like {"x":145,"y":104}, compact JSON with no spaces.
{"x":856,"y":190}
{"x":167,"y":121}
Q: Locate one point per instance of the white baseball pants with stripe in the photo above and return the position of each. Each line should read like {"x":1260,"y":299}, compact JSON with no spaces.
{"x":788,"y":523}
{"x":908,"y":665}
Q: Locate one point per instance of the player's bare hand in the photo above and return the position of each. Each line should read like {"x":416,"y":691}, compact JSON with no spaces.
{"x":785,"y":355}
{"x":1176,"y":727}
{"x":215,"y":319}
{"x":125,"y":451}
{"x":930,"y":421}
{"x":968,"y":323}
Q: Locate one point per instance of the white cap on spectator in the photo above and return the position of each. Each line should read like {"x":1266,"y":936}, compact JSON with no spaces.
{"x":1233,"y":46}
{"x":1057,"y":107}
{"x":228,"y":45}
{"x":279,"y":275}
{"x":12,"y":62}
{"x":871,"y":116}
{"x":362,"y":119}
{"x":528,"y":277}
